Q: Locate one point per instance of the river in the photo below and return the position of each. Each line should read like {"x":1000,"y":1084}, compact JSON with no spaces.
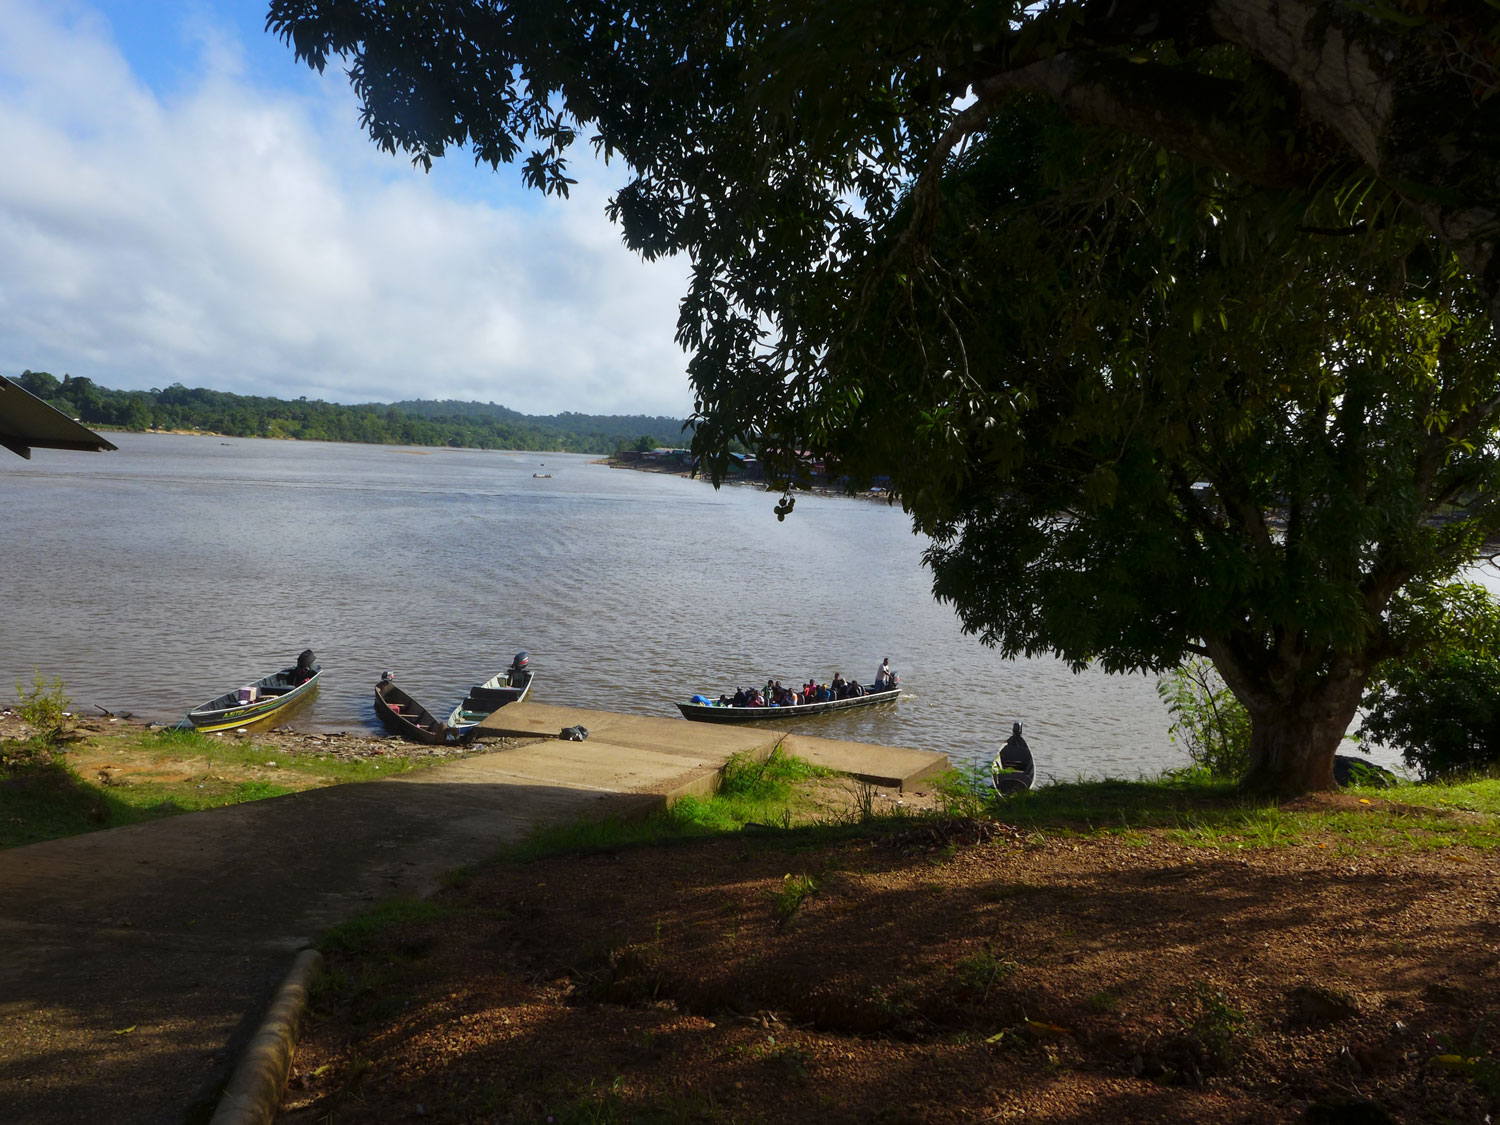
{"x":152,"y":578}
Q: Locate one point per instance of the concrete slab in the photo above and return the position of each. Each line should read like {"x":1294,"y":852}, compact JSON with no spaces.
{"x":890,"y":766}
{"x":596,"y":765}
{"x":893,"y":767}
{"x":669,"y":735}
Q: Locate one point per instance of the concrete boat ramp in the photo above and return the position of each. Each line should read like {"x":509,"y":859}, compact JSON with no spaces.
{"x":640,"y":753}
{"x":139,"y":960}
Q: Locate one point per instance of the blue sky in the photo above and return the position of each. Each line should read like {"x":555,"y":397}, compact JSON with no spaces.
{"x":182,"y":202}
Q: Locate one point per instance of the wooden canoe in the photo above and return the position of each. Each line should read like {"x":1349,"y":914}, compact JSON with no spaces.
{"x":728,"y":713}
{"x":408,"y":718}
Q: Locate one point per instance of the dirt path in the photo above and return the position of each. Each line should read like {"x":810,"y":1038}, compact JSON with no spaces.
{"x":960,"y":974}
{"x":136,"y":956}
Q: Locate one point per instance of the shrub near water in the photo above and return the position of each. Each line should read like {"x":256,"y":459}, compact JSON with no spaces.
{"x":44,"y":708}
{"x":1445,"y":718}
{"x":1207,"y":719}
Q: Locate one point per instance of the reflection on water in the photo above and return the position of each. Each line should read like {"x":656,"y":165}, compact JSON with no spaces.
{"x":177,"y":568}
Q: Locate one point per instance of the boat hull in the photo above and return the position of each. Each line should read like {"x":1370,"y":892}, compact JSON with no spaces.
{"x":485,"y":699}
{"x":408,"y":718}
{"x":277,"y":692}
{"x":714,"y":713}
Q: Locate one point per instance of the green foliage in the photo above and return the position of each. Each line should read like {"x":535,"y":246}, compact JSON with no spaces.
{"x":1193,"y":380}
{"x":765,"y":779}
{"x":750,"y":791}
{"x":470,"y":425}
{"x":1213,"y":1022}
{"x":1445,"y":717}
{"x":44,"y":707}
{"x":982,"y":972}
{"x":1439,"y":701}
{"x":1429,"y":620}
{"x":789,"y":898}
{"x":1207,"y":719}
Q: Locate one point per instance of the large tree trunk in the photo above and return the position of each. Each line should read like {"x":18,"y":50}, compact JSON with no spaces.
{"x":1292,"y":745}
{"x":1297,"y":722}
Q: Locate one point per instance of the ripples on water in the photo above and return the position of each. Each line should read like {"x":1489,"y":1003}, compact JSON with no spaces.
{"x":155,"y":577}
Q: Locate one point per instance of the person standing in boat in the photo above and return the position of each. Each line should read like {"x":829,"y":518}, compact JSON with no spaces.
{"x":884,"y":677}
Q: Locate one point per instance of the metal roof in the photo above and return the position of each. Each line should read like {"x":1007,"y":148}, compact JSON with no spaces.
{"x":26,"y":423}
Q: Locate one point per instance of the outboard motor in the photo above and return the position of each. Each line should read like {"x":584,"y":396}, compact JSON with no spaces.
{"x":307,"y":667}
{"x":517,"y":674}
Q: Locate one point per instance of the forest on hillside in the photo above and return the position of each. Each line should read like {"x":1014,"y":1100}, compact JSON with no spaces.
{"x":468,"y":425}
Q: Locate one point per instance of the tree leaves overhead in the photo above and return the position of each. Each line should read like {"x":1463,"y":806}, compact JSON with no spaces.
{"x":1172,"y":323}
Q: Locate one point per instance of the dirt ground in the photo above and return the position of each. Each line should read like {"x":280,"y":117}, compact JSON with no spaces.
{"x":944,"y":971}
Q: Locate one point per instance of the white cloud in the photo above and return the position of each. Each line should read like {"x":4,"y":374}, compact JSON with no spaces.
{"x":249,"y":239}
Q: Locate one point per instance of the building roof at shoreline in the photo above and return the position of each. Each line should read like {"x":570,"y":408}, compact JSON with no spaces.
{"x":27,"y":423}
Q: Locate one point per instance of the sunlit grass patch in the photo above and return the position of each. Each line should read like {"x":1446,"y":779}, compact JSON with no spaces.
{"x":764,"y":792}
{"x":1194,"y":809}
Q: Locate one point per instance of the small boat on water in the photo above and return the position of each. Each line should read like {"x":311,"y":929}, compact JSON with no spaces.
{"x":511,"y":686}
{"x":259,"y":700}
{"x":703,"y":710}
{"x":404,"y":715}
{"x":1014,"y":769}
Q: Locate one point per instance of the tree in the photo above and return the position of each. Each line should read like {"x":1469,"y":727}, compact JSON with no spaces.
{"x":1145,"y":417}
{"x":778,"y":104}
{"x":1440,"y":702}
{"x":1445,"y":718}
{"x":1191,"y":374}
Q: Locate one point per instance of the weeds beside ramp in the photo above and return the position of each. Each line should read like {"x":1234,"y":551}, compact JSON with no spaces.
{"x":139,"y":960}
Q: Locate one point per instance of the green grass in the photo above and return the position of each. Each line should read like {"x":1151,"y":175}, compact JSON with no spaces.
{"x":46,"y":800}
{"x":1190,"y":808}
{"x":177,"y":743}
{"x":749,"y":792}
{"x":43,"y":797}
{"x":1205,"y":812}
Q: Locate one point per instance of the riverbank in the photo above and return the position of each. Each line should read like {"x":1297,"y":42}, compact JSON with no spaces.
{"x":1123,"y":950}
{"x":1329,"y":961}
{"x":113,"y":771}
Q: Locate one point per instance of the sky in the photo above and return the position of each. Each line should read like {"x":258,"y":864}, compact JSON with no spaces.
{"x":182,"y":202}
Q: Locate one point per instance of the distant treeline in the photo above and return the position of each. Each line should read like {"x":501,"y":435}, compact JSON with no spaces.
{"x":468,"y":425}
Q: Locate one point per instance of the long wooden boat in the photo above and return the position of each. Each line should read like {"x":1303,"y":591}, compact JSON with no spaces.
{"x":258,"y":701}
{"x":511,"y":686}
{"x":404,"y":715}
{"x":1014,"y":769}
{"x":728,"y":713}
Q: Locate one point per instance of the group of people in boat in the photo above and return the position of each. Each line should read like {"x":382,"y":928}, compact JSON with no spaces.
{"x":776,"y":695}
